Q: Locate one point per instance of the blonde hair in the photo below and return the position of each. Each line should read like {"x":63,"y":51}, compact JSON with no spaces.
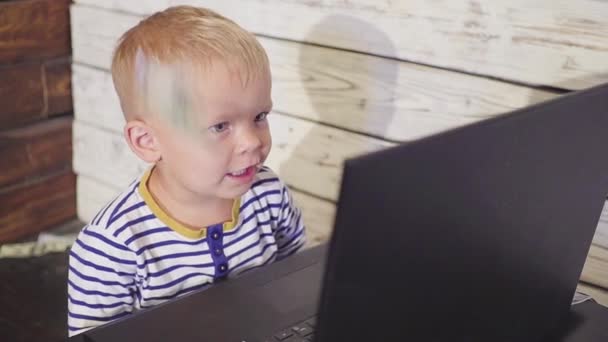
{"x":150,"y":61}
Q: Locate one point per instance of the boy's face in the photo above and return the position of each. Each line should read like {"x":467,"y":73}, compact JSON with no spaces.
{"x":217,"y":154}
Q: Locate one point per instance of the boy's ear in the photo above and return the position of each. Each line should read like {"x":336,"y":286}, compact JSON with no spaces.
{"x":142,"y":141}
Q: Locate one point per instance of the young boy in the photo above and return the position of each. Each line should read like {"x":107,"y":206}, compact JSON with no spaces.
{"x":195,"y":91}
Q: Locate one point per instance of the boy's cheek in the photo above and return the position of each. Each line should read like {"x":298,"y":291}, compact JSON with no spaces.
{"x":268,"y":149}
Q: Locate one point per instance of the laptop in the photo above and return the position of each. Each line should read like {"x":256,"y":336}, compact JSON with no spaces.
{"x":476,"y":234}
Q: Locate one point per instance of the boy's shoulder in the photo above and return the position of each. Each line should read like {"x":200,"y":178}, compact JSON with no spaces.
{"x":128,"y":203}
{"x":267,"y":189}
{"x":100,"y":236}
{"x":266,"y":179}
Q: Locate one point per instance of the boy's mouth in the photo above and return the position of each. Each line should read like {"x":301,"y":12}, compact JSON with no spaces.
{"x":247,"y":172}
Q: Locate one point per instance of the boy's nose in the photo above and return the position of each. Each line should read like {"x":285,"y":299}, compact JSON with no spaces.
{"x":249,"y":141}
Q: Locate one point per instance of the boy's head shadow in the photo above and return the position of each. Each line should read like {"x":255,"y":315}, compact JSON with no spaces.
{"x":346,"y":90}
{"x":349,"y":89}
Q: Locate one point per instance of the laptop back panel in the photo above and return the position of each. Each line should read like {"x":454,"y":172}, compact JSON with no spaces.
{"x":477,"y":234}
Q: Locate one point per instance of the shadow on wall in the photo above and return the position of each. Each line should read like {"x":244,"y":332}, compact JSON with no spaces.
{"x":346,"y":91}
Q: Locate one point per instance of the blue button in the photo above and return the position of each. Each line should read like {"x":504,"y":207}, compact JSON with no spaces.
{"x":217,"y":251}
{"x":215,"y":235}
{"x":223,"y":267}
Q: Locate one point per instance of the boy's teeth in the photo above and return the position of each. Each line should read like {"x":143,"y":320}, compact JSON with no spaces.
{"x":238,"y":173}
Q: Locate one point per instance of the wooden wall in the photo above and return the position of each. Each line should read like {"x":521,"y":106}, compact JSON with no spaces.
{"x":37,"y":185}
{"x":355,"y":76}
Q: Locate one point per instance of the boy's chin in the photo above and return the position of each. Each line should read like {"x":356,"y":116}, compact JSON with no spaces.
{"x":234,"y":193}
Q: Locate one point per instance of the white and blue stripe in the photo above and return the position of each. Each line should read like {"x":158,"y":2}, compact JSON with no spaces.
{"x":128,"y":258}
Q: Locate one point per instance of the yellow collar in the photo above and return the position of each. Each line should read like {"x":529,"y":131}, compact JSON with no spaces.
{"x":171,"y":222}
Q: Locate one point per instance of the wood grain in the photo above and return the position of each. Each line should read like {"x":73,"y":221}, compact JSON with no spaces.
{"x":34,"y":30}
{"x":35,"y":151}
{"x":59,"y":86}
{"x":35,"y":207}
{"x":601,"y":233}
{"x":367,"y":94}
{"x":559,"y":43}
{"x":33,"y":91}
{"x":596,"y":267}
{"x":599,"y":294}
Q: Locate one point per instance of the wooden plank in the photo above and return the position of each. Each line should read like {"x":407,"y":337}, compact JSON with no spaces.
{"x":35,"y":151}
{"x":92,"y":195}
{"x":21,"y":94}
{"x":596,"y":267}
{"x":104,"y":155}
{"x":601,"y":233}
{"x":558,"y":43}
{"x":599,"y":294}
{"x":95,"y":100}
{"x":309,"y":156}
{"x":58,"y":86}
{"x":376,"y":96}
{"x":318,"y":214}
{"x":382,"y":97}
{"x":34,"y":30}
{"x":33,"y":91}
{"x":36,"y":207}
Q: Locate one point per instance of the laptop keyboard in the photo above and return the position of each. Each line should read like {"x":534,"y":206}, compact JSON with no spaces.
{"x":301,"y":332}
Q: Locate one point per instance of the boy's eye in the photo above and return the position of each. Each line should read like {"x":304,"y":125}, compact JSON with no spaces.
{"x":219,"y":128}
{"x":261,"y":117}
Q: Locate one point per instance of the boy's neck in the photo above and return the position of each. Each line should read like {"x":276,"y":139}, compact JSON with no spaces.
{"x":194,"y":213}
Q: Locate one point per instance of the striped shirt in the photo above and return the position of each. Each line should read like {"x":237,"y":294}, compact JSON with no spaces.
{"x":133,"y":256}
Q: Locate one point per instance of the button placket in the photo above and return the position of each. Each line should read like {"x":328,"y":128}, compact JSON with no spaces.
{"x":215,"y":237}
